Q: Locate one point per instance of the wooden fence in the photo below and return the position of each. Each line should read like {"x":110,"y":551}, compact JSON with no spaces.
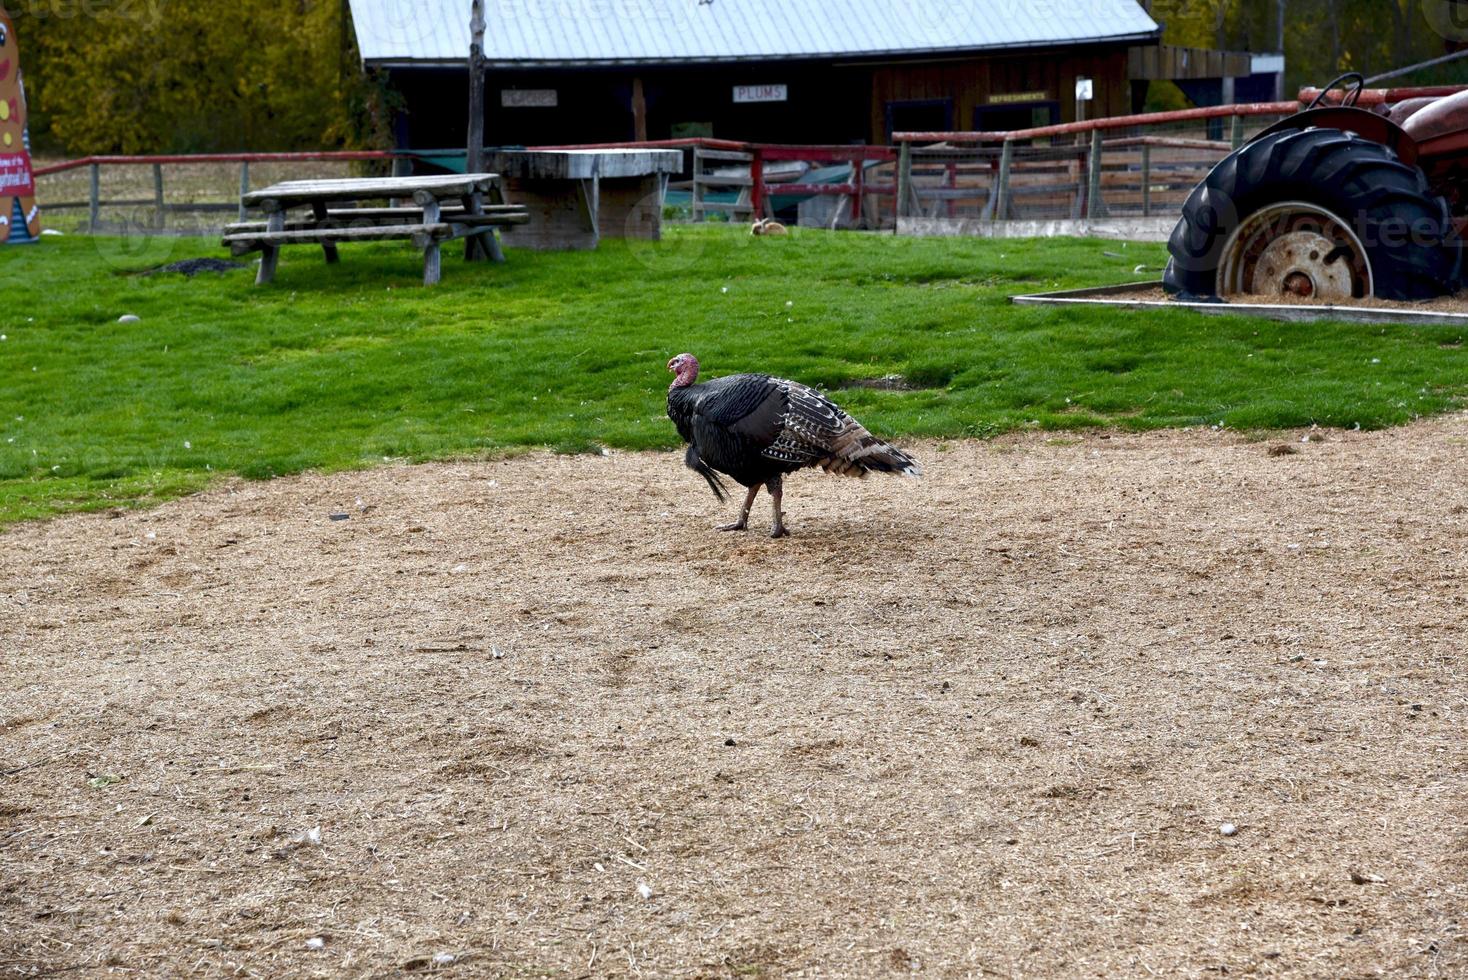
{"x":1141,"y":165}
{"x":1132,"y":166}
{"x":157,"y":204}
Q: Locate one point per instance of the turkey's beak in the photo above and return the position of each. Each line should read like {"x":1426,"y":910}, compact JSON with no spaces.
{"x":673,"y":365}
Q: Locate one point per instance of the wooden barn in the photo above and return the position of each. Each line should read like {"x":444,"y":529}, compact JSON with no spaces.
{"x":790,"y":71}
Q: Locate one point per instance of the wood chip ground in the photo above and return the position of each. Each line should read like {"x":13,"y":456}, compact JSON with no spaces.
{"x":549,"y":722}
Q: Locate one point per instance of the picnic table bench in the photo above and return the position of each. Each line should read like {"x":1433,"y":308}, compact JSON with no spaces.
{"x":468,"y":206}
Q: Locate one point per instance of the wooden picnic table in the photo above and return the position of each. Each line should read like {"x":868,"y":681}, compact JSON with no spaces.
{"x":468,"y":206}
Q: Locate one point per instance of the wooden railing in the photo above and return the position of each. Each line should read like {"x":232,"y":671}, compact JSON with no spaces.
{"x":95,"y":202}
{"x":1082,"y":170}
{"x":1088,"y":169}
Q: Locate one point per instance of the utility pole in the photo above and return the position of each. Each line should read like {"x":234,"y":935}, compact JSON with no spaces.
{"x":475,"y":248}
{"x":475,"y":162}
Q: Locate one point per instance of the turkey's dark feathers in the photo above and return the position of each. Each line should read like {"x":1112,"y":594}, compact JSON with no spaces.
{"x":753,"y":428}
{"x":692,"y":460}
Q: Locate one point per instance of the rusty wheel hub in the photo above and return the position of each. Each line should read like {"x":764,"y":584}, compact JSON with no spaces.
{"x":1295,"y":249}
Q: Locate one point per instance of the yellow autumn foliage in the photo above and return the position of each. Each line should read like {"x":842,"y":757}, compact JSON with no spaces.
{"x":153,"y":76}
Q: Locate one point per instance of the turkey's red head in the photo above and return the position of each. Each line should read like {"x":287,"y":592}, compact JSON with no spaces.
{"x":685,"y":366}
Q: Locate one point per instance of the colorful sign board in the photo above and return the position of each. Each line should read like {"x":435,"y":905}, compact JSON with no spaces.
{"x":20,"y":219}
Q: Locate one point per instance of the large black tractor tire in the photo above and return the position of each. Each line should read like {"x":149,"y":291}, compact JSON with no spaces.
{"x":1404,"y":228}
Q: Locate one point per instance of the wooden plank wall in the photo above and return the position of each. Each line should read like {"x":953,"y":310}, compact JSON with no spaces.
{"x":973,"y":83}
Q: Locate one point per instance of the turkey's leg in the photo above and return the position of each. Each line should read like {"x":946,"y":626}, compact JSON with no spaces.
{"x":777,"y":530}
{"x":743,"y":521}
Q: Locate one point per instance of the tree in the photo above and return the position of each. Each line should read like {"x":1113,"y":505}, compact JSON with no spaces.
{"x":196,"y":75}
{"x":1370,"y":36}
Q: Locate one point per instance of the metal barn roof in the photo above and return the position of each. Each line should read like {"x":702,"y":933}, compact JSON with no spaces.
{"x":612,"y":32}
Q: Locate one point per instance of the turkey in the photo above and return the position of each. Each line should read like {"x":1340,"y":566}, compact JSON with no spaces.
{"x":755,"y":429}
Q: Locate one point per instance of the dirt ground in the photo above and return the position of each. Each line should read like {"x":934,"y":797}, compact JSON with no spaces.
{"x":549,"y":722}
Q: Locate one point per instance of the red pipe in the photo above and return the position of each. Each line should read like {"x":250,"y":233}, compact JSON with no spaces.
{"x":1113,"y":122}
{"x":771,"y":151}
{"x":1376,"y":96}
{"x":707,"y":143}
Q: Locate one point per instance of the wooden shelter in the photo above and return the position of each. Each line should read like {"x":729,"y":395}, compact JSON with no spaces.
{"x":794,"y":71}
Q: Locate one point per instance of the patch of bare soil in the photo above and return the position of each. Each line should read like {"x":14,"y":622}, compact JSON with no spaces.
{"x":536,"y":717}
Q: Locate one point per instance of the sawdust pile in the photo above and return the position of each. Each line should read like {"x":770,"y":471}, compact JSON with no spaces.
{"x":537,"y":716}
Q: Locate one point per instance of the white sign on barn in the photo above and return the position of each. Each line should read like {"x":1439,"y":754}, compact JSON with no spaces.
{"x":761,"y":93}
{"x":528,"y":98}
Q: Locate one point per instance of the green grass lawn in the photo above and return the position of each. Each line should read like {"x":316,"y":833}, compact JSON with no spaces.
{"x":342,"y":367}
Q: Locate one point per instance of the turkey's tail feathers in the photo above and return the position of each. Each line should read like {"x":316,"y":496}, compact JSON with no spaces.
{"x":863,"y":453}
{"x":697,"y":465}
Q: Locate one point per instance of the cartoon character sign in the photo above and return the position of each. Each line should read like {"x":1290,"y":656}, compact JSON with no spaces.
{"x":20,"y":219}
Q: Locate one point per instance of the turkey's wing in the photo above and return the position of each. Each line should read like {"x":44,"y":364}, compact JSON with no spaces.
{"x":814,"y":427}
{"x":751,"y":409}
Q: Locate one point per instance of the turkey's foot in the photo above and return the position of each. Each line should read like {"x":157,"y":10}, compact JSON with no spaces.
{"x":777,"y":527}
{"x":743,"y":521}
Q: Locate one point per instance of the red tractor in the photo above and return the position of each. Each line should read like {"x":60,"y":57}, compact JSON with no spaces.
{"x":1334,"y":203}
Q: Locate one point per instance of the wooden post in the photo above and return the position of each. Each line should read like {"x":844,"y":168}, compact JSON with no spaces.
{"x":95,"y":204}
{"x":491,"y":237}
{"x":859,"y":168}
{"x":1095,"y":206}
{"x":1236,"y":132}
{"x":904,"y":178}
{"x":590,"y":192}
{"x":318,"y":209}
{"x":432,"y":259}
{"x":639,"y":111}
{"x":158,"y":196}
{"x":1074,"y":169}
{"x":270,"y":254}
{"x":1146,"y":180}
{"x":1006,"y":161}
{"x":474,"y":163}
{"x":757,"y":183}
{"x":401,"y":167}
{"x":697,"y":203}
{"x":244,"y":186}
